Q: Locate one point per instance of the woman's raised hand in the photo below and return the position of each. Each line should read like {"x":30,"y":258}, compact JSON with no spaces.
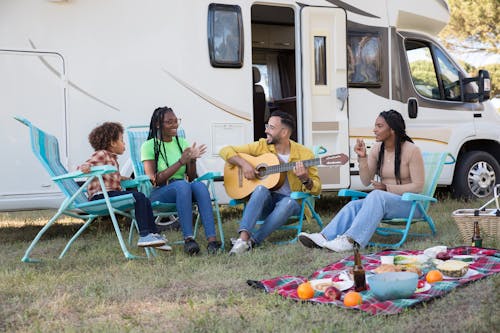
{"x":197,"y":151}
{"x":360,"y":148}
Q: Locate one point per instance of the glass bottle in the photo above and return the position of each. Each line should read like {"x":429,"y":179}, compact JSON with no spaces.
{"x":477,"y":241}
{"x":358,"y":271}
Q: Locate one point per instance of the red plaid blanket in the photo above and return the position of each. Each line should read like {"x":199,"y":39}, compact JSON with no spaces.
{"x":487,"y":263}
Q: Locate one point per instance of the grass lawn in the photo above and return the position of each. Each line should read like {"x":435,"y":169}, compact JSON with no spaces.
{"x":94,"y":288}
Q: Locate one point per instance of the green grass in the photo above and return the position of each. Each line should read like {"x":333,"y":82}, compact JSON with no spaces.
{"x":95,"y":289}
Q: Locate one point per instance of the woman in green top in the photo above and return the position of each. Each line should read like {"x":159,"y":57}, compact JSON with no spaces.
{"x":168,"y":160}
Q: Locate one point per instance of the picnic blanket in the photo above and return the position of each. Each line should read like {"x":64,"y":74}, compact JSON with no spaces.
{"x":487,"y":263}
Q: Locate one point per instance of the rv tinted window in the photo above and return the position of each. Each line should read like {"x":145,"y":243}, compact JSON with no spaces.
{"x":422,"y":70}
{"x":363,"y":59}
{"x":225,"y":35}
{"x":433,"y":74}
{"x":448,"y":74}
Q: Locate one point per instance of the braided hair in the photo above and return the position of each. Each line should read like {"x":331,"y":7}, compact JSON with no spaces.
{"x":397,"y":124}
{"x":156,"y":133}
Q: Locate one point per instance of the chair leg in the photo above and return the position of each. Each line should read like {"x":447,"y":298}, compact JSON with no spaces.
{"x":26,"y":257}
{"x":77,"y":234}
{"x":219,"y":224}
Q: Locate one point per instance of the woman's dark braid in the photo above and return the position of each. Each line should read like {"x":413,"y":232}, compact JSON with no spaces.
{"x":397,"y":124}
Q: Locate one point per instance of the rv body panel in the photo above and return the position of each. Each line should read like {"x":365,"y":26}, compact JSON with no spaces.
{"x":68,"y":66}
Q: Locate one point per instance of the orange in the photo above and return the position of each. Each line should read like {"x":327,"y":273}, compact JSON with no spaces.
{"x":353,"y":298}
{"x":305,"y":290}
{"x":434,"y":276}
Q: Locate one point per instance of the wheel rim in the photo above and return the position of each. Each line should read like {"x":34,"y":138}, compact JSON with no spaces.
{"x":481,"y":179}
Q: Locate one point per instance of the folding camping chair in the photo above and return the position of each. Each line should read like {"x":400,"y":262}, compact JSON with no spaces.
{"x":307,"y":206}
{"x":433,"y":164}
{"x":137,"y":135}
{"x":46,"y":149}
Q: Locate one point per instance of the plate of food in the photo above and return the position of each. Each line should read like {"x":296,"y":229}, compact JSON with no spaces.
{"x":321,"y":284}
{"x":426,"y":286}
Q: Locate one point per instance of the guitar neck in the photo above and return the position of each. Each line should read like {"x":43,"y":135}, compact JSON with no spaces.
{"x":290,"y":165}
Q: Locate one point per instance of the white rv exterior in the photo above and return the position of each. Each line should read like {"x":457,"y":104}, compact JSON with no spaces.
{"x":70,"y":65}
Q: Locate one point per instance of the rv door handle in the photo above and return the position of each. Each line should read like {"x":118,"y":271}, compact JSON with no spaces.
{"x":412,"y":107}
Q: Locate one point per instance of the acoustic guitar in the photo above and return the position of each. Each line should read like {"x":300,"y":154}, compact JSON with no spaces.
{"x":269,"y":172}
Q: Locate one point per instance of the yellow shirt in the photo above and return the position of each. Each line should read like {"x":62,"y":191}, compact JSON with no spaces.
{"x":297,"y":153}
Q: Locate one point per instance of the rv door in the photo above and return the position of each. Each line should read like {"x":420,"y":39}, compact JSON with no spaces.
{"x":324,"y":88}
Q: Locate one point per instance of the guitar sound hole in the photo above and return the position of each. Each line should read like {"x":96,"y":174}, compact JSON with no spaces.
{"x":261,"y":172}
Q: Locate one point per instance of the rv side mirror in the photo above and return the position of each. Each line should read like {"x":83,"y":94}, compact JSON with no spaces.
{"x":484,"y":84}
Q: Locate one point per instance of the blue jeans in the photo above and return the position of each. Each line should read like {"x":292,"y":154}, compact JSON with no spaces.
{"x":359,"y":218}
{"x":183,"y":194}
{"x":143,"y":211}
{"x":275,"y":208}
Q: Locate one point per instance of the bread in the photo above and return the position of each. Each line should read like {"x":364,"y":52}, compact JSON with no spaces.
{"x":385,"y":268}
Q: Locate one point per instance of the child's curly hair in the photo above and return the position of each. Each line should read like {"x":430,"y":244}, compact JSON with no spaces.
{"x":102,"y":136}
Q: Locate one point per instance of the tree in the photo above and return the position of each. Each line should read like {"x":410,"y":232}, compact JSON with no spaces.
{"x":473,"y":26}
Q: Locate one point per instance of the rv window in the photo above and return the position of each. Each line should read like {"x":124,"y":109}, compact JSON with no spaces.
{"x":422,"y":70}
{"x":433,"y":74}
{"x":320,"y":60}
{"x":364,"y":59}
{"x":225,"y":35}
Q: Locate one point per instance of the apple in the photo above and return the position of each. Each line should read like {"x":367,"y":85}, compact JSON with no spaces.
{"x":420,"y":284}
{"x":333,"y":293}
{"x":443,"y":256}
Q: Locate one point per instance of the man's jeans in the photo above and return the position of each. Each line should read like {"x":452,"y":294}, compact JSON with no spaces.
{"x":276,"y":208}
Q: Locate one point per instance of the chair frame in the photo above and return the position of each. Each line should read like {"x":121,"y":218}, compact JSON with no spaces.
{"x":421,"y":202}
{"x":168,"y":209}
{"x":46,"y":149}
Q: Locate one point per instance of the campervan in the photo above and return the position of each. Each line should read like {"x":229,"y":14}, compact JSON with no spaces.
{"x":223,"y":65}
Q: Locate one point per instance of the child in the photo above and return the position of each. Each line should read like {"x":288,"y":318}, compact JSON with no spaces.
{"x":107,"y":141}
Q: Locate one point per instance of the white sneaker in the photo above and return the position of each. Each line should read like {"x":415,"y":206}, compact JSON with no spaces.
{"x":164,"y":248}
{"x":315,"y":240}
{"x":240,"y":246}
{"x":340,"y":244}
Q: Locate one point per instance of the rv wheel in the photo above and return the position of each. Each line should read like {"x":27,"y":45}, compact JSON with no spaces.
{"x":475,"y":175}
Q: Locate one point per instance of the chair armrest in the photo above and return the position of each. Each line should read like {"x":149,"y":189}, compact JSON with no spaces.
{"x":408,"y":196}
{"x":94,"y":171}
{"x":236,"y":202}
{"x":351,"y":193}
{"x":134,"y":182}
{"x":300,"y":195}
{"x":208,"y":176}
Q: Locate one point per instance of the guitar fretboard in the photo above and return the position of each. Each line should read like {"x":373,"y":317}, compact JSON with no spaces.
{"x":290,"y":165}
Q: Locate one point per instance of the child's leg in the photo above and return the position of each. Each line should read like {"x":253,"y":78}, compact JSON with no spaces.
{"x":143,"y":211}
{"x":144,"y":214}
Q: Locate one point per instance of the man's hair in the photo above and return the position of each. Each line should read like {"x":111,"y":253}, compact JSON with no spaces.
{"x":102,"y":136}
{"x":286,"y":119}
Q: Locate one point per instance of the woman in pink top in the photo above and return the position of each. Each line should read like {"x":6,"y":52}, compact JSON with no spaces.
{"x":394,"y":166}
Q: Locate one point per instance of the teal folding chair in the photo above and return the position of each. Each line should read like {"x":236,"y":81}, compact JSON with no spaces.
{"x":433,"y":164}
{"x":295,"y":222}
{"x":137,"y":135}
{"x":46,"y":149}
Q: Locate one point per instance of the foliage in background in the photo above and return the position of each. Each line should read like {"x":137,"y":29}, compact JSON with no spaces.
{"x":473,"y":26}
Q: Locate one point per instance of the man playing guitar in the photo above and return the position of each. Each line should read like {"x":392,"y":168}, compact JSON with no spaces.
{"x":274,"y":205}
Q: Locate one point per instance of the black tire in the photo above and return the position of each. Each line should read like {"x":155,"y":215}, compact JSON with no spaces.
{"x":476,"y":173}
